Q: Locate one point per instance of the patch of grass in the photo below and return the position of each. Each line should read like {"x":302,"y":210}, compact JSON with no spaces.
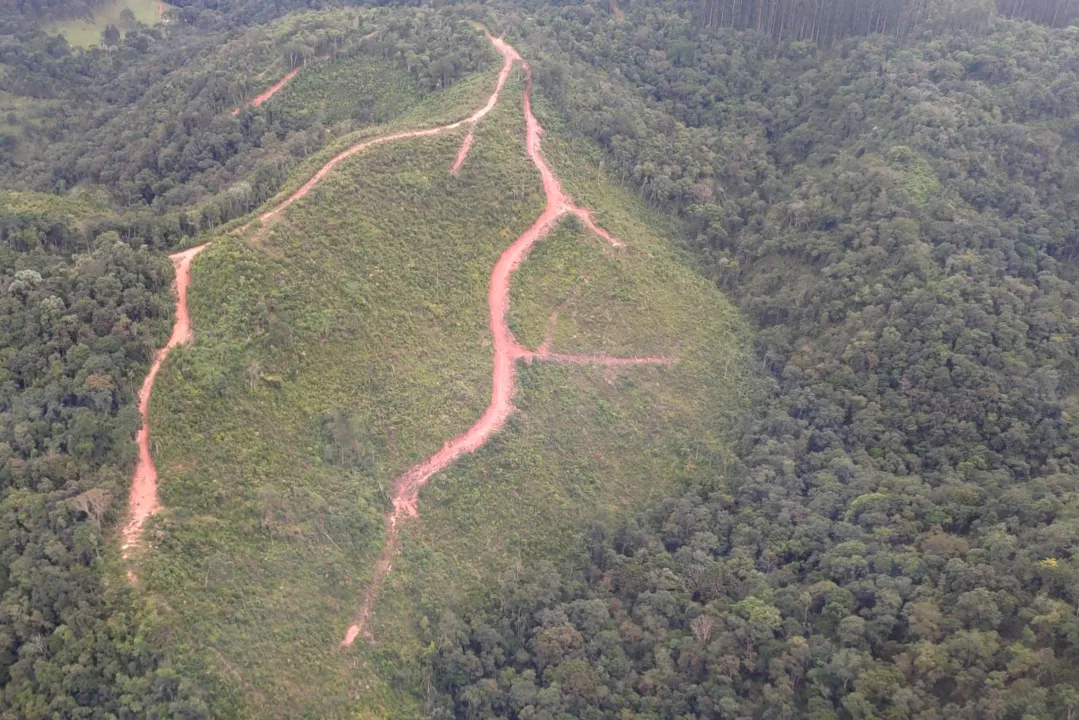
{"x":27,"y":120}
{"x":364,"y":88}
{"x":66,"y":209}
{"x":919,"y":181}
{"x":455,"y":103}
{"x":347,"y":341}
{"x":83,"y":32}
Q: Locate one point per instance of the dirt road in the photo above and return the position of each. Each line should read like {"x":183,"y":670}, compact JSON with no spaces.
{"x":142,"y":499}
{"x":507,"y":350}
{"x":270,"y":91}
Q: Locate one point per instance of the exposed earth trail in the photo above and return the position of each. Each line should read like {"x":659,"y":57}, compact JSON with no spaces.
{"x":270,"y":91}
{"x":285,"y":79}
{"x":142,"y":498}
{"x":507,"y":351}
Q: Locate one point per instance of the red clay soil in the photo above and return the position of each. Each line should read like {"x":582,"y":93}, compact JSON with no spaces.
{"x":270,"y":91}
{"x":507,"y":349}
{"x":142,"y":501}
{"x":462,"y":154}
{"x":619,"y":16}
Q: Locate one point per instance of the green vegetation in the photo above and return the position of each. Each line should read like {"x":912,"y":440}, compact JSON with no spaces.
{"x":457,"y":103}
{"x":347,"y":343}
{"x":165,"y":145}
{"x":87,"y":31}
{"x":67,"y":612}
{"x":359,"y":332}
{"x":851,"y":495}
{"x":897,"y":535}
{"x":587,"y":442}
{"x":365,"y":89}
{"x":25,"y":217}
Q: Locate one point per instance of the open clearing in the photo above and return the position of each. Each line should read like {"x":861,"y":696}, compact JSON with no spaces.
{"x":84,"y":33}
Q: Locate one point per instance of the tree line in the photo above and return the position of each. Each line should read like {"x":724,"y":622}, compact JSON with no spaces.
{"x":826,"y":21}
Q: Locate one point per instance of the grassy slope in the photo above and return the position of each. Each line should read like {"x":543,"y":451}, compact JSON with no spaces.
{"x":66,"y":209}
{"x":369,"y":298}
{"x":365,"y":86}
{"x":345,"y":271}
{"x":455,"y":103}
{"x":27,"y":112}
{"x":80,"y":32}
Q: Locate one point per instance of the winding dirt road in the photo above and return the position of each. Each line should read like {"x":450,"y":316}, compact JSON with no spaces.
{"x":508,"y":56}
{"x":507,"y":351}
{"x":142,"y":499}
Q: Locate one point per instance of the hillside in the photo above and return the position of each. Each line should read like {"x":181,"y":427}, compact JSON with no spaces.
{"x":629,"y":360}
{"x":896,"y":218}
{"x":345,"y":340}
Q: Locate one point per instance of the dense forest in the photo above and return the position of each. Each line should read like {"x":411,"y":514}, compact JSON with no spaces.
{"x":76,"y":336}
{"x":889,"y":193}
{"x":898,"y":218}
{"x":825,"y":22}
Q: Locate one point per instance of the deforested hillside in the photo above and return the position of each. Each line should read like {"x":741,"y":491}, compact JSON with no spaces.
{"x":138,"y":158}
{"x":346,"y":338}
